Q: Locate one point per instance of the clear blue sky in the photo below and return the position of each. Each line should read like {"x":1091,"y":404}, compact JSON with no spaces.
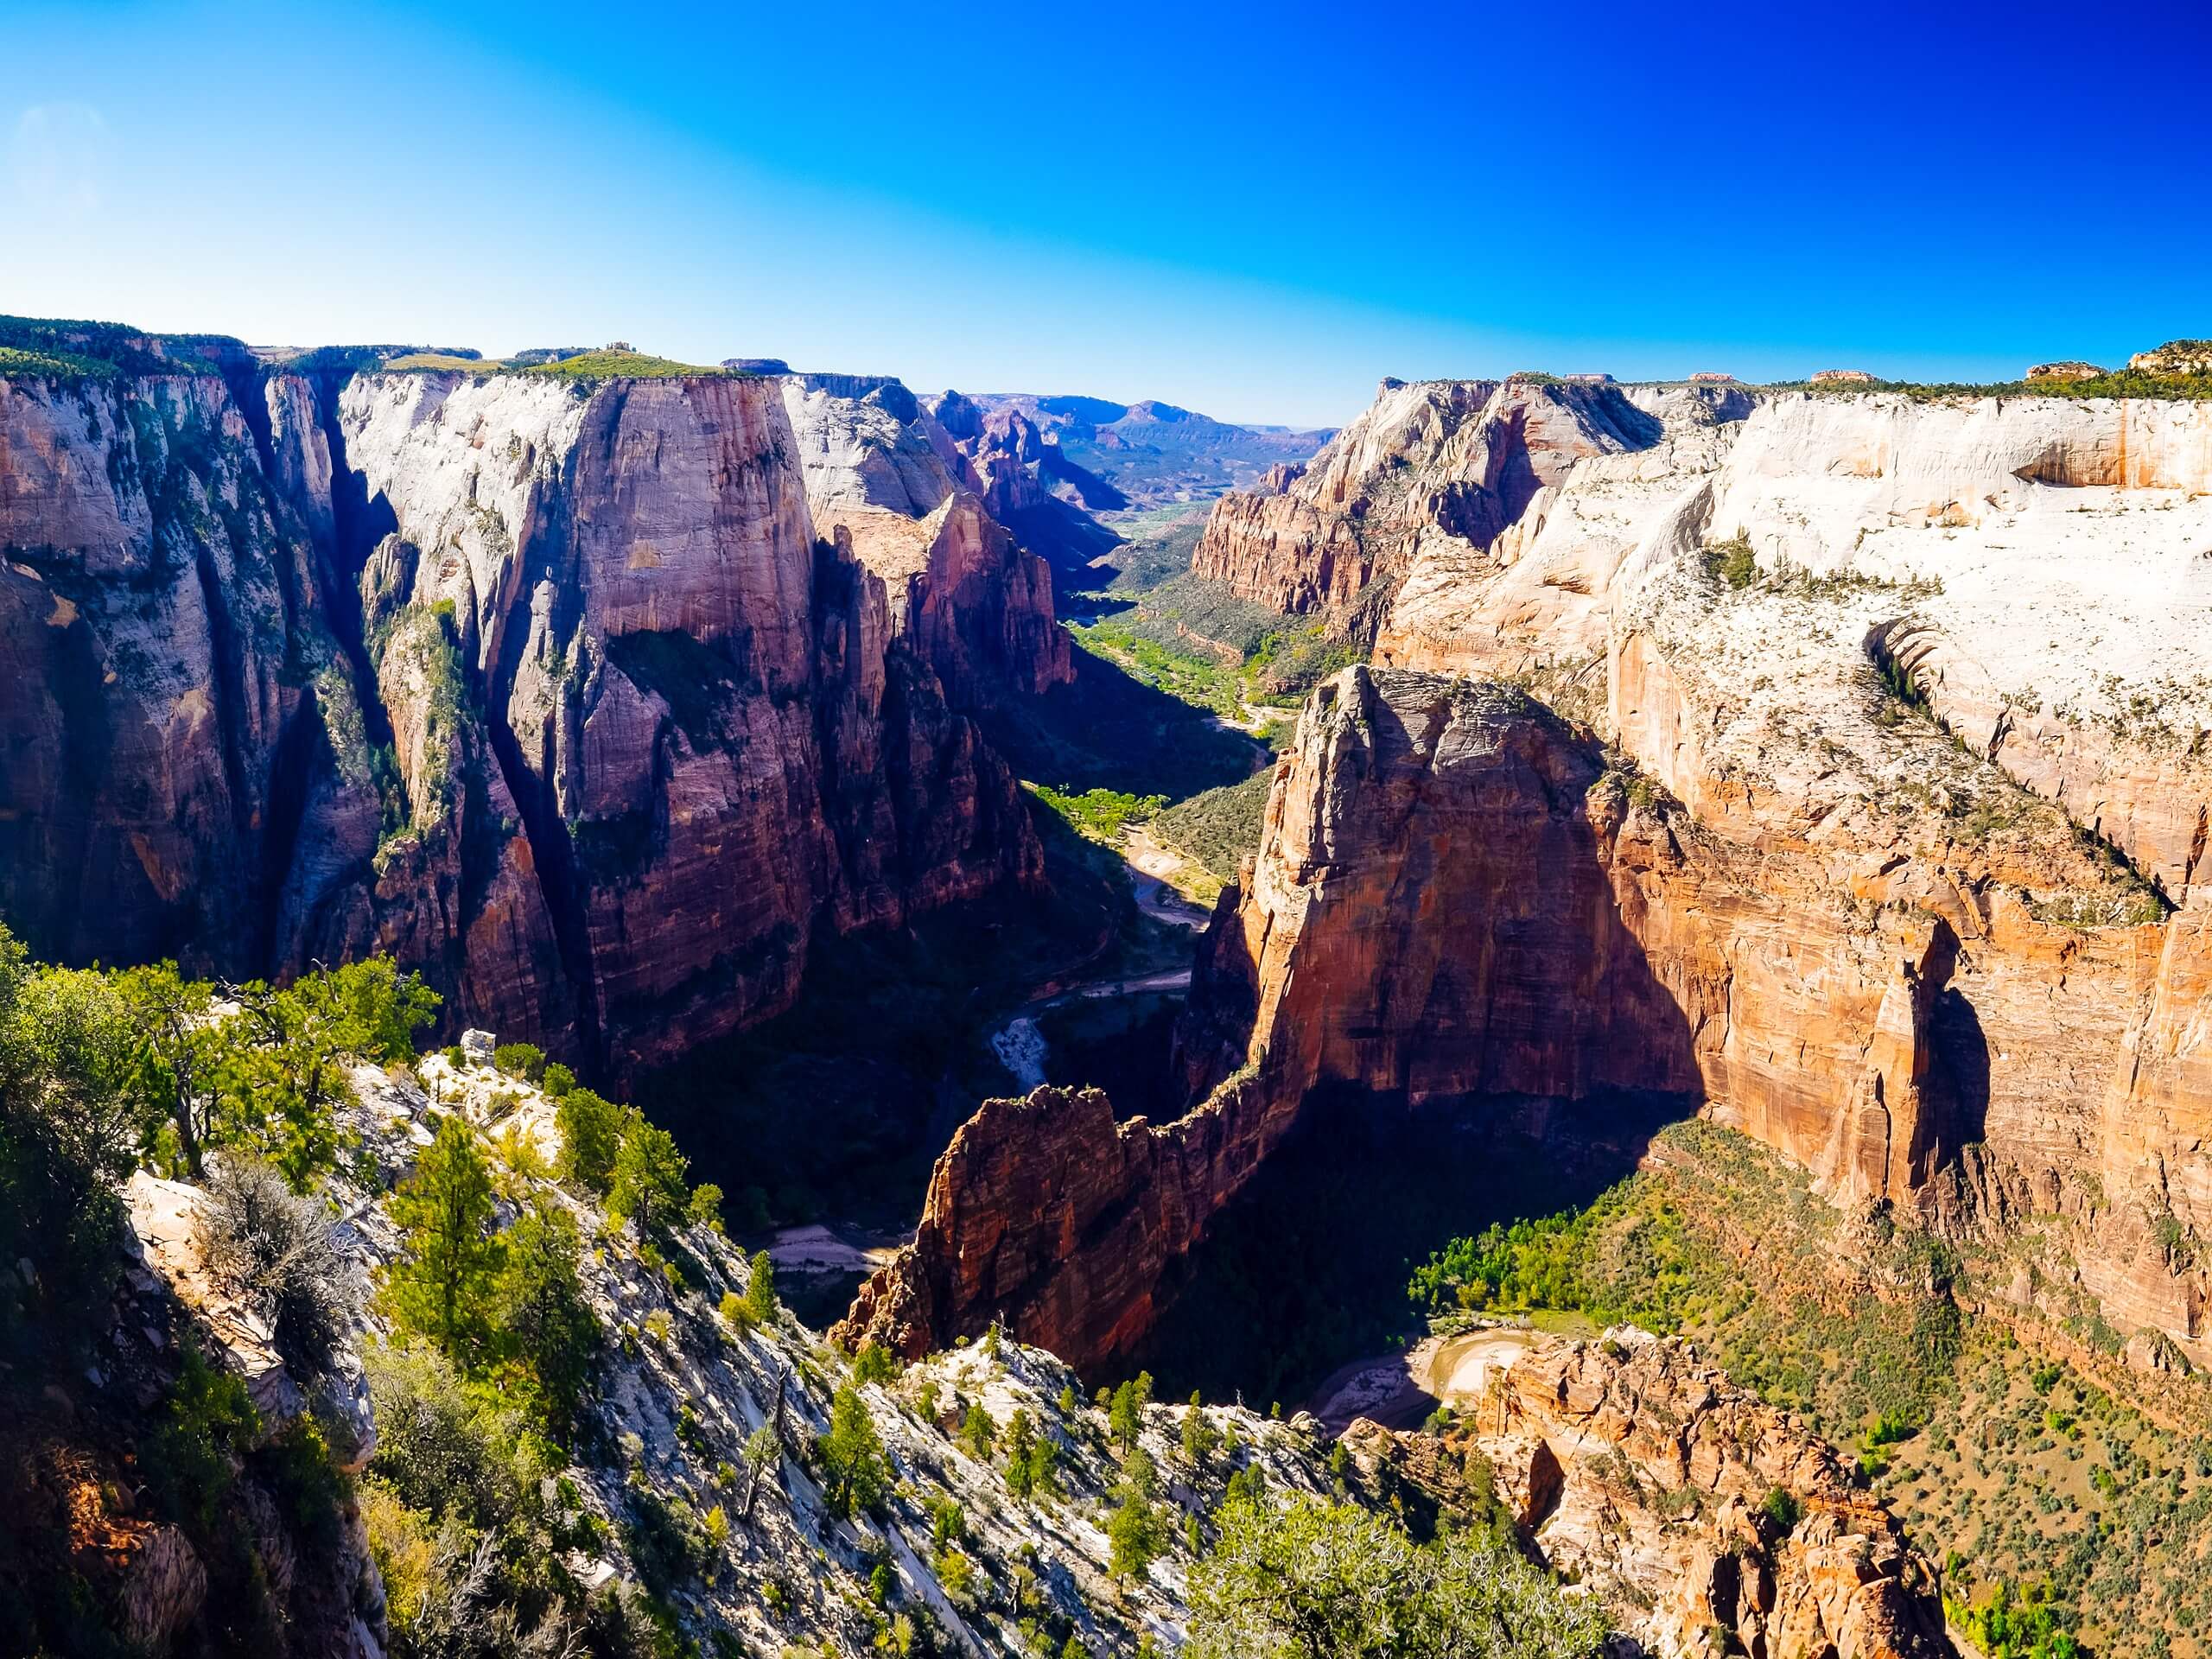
{"x":1255,"y":211}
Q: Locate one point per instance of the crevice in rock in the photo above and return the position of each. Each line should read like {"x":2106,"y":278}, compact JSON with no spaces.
{"x":533,"y":788}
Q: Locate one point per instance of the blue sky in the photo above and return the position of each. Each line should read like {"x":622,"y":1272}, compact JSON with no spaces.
{"x":1253,"y":211}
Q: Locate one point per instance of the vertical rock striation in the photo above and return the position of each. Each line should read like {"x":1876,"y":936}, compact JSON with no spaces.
{"x":550,"y":690}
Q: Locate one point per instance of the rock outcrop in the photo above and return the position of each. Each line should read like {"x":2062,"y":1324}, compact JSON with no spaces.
{"x":1047,"y":1215}
{"x":2175,"y":357}
{"x":550,"y":690}
{"x":1710,"y":1522}
{"x":1436,"y":470}
{"x":977,"y":607}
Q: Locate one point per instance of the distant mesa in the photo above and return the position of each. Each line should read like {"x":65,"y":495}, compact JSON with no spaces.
{"x":757,"y":364}
{"x":2069,"y":371}
{"x":1589,"y":379}
{"x":1842,"y":378}
{"x":539,"y":355}
{"x":2175,"y":357}
{"x":1708,"y":378}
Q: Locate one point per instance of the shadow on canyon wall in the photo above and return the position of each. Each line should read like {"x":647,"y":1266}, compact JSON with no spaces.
{"x":1307,"y":1269}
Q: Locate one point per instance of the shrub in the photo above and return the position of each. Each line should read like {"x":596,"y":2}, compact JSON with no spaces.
{"x":558,"y":1080}
{"x":1782,"y":1507}
{"x":874,"y":1363}
{"x":272,"y":1249}
{"x":204,"y":1427}
{"x":524,"y":1060}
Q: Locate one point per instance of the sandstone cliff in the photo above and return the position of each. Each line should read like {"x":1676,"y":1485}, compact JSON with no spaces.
{"x":549,"y":689}
{"x":1435,"y":472}
{"x":1651,"y":1479}
{"x":1900,"y":868}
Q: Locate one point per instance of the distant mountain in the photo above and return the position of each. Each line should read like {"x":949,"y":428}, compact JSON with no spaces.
{"x":1155,"y":454}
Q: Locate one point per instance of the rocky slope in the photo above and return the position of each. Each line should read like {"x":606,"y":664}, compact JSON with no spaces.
{"x":1436,"y":475}
{"x":1712,"y":1523}
{"x":548,"y":686}
{"x":677,"y":1391}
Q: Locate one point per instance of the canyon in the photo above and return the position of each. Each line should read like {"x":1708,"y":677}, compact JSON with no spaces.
{"x":1830,"y":765}
{"x":1684,"y":768}
{"x":592,"y":699}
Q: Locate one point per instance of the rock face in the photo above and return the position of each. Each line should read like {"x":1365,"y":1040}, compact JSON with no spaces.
{"x":1047,"y":1214}
{"x":1649,"y":1477}
{"x":551,"y":690}
{"x":2072,"y":369}
{"x":1436,"y":470}
{"x":2175,"y":357}
{"x":1857,"y":917}
{"x":882,"y":471}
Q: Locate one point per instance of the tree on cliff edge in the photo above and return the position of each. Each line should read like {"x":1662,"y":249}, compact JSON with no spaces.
{"x":441,"y":1283}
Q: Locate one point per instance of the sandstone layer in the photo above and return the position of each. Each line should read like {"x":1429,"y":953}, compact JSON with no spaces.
{"x":551,"y":689}
{"x":1884,"y":842}
{"x":1649,"y":1477}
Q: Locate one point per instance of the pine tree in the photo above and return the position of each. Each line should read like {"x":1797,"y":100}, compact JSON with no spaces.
{"x":856,"y":1472}
{"x":648,"y":1185}
{"x":441,"y":1286}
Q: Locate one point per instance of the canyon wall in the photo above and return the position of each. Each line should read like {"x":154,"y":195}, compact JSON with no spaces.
{"x":1802,"y":863}
{"x":551,"y":689}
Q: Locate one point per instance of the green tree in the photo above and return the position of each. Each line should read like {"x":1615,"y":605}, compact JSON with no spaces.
{"x":1125,"y":1416}
{"x":760,"y":1287}
{"x":591,"y":1136}
{"x":546,"y":1325}
{"x":180,"y":1044}
{"x":855,"y":1474}
{"x":77,"y":1052}
{"x":522,"y":1060}
{"x":705,"y":1208}
{"x":1200,"y":1438}
{"x":280,"y":1082}
{"x":441,"y":1284}
{"x":874,"y":1363}
{"x":977,"y":1431}
{"x":649,"y":1177}
{"x":1321,"y":1581}
{"x":1137,"y":1535}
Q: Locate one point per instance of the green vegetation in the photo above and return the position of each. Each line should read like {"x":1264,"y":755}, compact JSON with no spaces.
{"x":445,"y":1212}
{"x":1101,"y":814}
{"x":2005,"y":1627}
{"x":1321,"y":1581}
{"x":68,"y":349}
{"x":590,"y":367}
{"x":591,"y":1138}
{"x":855,"y":1474}
{"x":1649,"y":1251}
{"x":432,"y":362}
{"x":524,"y":1060}
{"x":1733,"y":561}
{"x":2122,"y":383}
{"x":1217,"y":828}
{"x":649,"y":1183}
